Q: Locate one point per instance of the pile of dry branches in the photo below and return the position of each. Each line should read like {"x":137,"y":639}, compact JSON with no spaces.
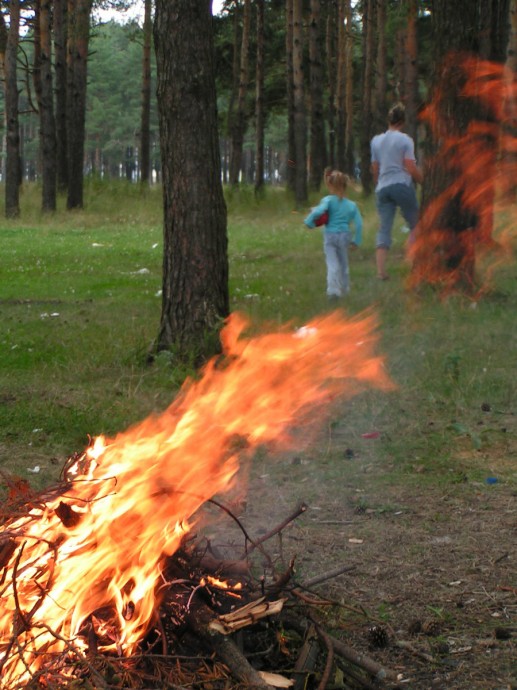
{"x":219,"y":626}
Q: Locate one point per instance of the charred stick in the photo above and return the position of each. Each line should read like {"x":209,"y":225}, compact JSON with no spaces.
{"x":254,"y":544}
{"x":365,"y":662}
{"x":307,"y":658}
{"x":356,"y":676}
{"x":330,"y":659}
{"x":331,"y":574}
{"x":402,"y":644}
{"x":310,"y":600}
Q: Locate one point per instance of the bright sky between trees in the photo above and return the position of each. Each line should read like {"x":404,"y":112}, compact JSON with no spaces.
{"x":138,"y":12}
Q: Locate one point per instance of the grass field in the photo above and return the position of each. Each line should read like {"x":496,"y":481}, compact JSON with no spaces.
{"x":421,"y":480}
{"x":80,"y":305}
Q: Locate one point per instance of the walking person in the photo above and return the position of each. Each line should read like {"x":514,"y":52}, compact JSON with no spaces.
{"x":395,"y":173}
{"x":337,"y":235}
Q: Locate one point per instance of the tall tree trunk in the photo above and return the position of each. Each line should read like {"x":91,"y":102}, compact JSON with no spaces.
{"x":45,"y":93}
{"x":195,"y":262}
{"x":341,"y":87}
{"x":239,"y":122}
{"x":77,"y":56}
{"x":300,"y":125}
{"x":381,"y":78}
{"x":12,"y":167}
{"x":60,"y":21}
{"x":508,"y":156}
{"x":366,"y":129}
{"x":145,"y":120}
{"x":331,"y":50}
{"x":235,"y":84}
{"x":411,"y":71}
{"x":291,"y":142}
{"x":318,"y":154}
{"x":458,"y":189}
{"x":259,"y":100}
{"x":349,"y":89}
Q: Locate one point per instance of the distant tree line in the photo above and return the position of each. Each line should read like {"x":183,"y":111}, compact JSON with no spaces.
{"x":301,"y":84}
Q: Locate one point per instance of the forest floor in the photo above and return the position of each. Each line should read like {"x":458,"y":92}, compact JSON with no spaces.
{"x":434,"y":563}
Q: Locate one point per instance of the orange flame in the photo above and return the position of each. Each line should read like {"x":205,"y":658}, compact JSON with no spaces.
{"x":101,"y":545}
{"x":476,"y":164}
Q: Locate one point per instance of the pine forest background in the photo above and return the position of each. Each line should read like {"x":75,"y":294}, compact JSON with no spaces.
{"x":346,"y":61}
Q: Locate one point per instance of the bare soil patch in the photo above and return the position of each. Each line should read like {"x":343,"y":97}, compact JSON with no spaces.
{"x":433,"y":561}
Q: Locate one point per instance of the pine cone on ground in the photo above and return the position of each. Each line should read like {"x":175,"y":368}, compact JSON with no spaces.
{"x":377,"y":636}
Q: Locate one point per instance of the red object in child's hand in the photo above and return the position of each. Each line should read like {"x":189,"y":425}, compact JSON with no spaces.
{"x":322,"y":220}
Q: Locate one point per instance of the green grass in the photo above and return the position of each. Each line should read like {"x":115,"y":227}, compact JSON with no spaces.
{"x":79,"y":307}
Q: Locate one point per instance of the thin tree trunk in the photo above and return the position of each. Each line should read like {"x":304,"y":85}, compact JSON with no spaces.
{"x":366,"y":129}
{"x":381,"y":78}
{"x":330,"y":41}
{"x":239,"y":123}
{"x":145,"y":121}
{"x":12,"y":167}
{"x":291,"y":142}
{"x":508,"y":156}
{"x":77,"y":56}
{"x":60,"y":72}
{"x":341,"y":87}
{"x":259,"y":100}
{"x":46,"y":109}
{"x":318,"y":153}
{"x":411,"y":72}
{"x":235,"y":85}
{"x":349,"y":89}
{"x":300,"y":126}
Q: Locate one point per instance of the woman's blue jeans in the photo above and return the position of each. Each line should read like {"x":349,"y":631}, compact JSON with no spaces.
{"x":388,"y":199}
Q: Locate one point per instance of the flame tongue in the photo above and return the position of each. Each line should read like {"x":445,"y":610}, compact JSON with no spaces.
{"x":100,"y":545}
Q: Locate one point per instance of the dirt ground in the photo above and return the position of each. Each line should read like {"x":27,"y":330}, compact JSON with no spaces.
{"x":434,"y":564}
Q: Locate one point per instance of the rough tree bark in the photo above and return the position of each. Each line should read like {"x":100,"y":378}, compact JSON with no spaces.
{"x":195,"y":263}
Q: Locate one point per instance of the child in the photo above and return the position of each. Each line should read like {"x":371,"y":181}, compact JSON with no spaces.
{"x":337,"y":235}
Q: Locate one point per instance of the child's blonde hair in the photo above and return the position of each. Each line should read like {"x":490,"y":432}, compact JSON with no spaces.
{"x":337,"y":182}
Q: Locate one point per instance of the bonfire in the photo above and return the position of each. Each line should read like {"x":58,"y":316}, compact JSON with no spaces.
{"x":104,"y":567}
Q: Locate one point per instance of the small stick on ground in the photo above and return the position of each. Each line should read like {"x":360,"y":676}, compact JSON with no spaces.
{"x":296,"y":512}
{"x":365,"y":662}
{"x":401,"y":644}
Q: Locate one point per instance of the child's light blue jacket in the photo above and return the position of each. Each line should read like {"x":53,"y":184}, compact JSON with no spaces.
{"x":341,"y":212}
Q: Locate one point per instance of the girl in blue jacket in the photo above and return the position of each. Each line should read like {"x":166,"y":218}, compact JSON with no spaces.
{"x":337,"y":234}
